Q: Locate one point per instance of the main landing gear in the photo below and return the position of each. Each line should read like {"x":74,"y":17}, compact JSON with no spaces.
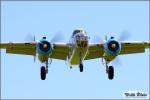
{"x":110,"y":72}
{"x":44,"y":71}
{"x":109,"y":69}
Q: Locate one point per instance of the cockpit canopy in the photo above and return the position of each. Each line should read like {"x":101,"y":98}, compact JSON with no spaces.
{"x":79,"y":31}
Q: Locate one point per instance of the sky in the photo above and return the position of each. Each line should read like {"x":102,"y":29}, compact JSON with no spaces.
{"x":20,"y":76}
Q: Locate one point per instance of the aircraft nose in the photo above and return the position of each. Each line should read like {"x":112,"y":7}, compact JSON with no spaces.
{"x":81,"y":38}
{"x":82,"y":41}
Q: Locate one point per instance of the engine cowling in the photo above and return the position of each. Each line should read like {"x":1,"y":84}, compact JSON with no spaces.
{"x":44,"y":50}
{"x":112,"y":48}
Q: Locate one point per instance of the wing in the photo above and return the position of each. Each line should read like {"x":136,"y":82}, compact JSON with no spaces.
{"x":60,"y":51}
{"x":95,"y":51}
{"x":19,"y":48}
{"x":130,"y":47}
{"x":127,"y":47}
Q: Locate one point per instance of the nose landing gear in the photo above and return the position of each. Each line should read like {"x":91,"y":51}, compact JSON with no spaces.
{"x":81,"y":67}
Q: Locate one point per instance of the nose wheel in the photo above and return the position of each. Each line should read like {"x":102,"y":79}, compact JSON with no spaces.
{"x":81,"y":67}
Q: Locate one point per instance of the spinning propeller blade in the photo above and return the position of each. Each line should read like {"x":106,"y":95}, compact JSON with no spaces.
{"x":29,"y":37}
{"x":58,"y":37}
{"x":124,"y":35}
{"x":96,"y":39}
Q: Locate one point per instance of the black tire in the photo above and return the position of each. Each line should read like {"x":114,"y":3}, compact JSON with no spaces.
{"x":81,"y":67}
{"x":110,"y":72}
{"x":43,"y":73}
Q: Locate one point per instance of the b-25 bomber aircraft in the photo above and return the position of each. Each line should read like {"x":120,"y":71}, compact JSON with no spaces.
{"x":76,"y":51}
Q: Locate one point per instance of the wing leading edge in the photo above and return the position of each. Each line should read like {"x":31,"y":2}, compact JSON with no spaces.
{"x":19,"y":48}
{"x":130,"y":47}
{"x":95,"y":51}
{"x":127,"y":47}
{"x":61,"y":50}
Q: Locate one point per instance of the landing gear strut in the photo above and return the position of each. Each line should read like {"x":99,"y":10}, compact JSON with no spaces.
{"x":81,"y":66}
{"x":44,"y":71}
{"x":109,"y":69}
{"x":46,"y":67}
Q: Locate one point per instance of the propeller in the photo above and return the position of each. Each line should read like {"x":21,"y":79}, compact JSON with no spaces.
{"x":105,"y":37}
{"x":96,"y":39}
{"x":124,"y":35}
{"x":31,"y":38}
{"x":58,"y":37}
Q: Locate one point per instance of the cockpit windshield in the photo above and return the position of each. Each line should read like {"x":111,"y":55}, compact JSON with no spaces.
{"x":78,"y":31}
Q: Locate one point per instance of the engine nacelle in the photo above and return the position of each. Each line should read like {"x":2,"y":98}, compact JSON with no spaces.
{"x":44,"y":49}
{"x":112,"y":48}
